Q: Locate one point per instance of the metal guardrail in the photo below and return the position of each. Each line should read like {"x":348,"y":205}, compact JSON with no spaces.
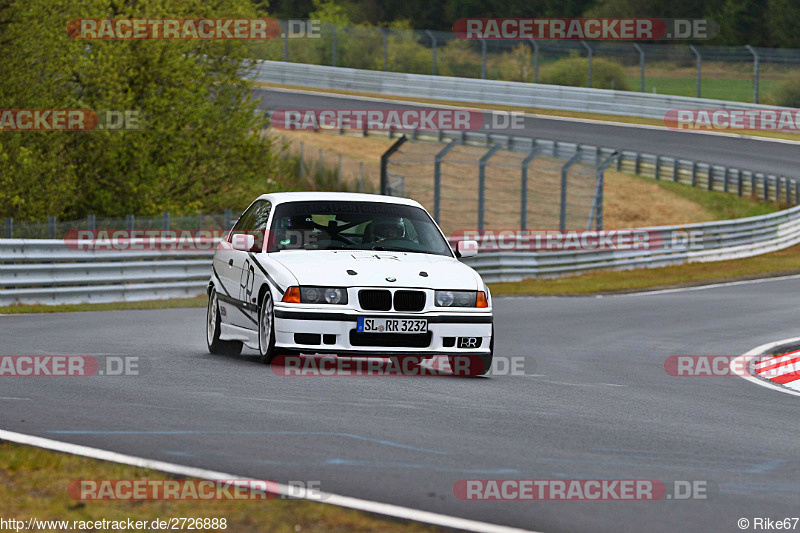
{"x":50,"y":271}
{"x":32,"y":271}
{"x":698,"y":243}
{"x":624,"y":103}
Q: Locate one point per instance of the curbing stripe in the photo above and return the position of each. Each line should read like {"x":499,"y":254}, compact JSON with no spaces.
{"x":744,"y":361}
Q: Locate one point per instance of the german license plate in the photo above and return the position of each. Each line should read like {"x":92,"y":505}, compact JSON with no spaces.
{"x":392,"y":325}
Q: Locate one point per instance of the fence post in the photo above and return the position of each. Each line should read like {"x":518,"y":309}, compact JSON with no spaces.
{"x":523,"y":207}
{"x":286,"y":43}
{"x":755,"y":72}
{"x":589,"y":56}
{"x":385,"y":163}
{"x":562,"y":222}
{"x":694,"y":173}
{"x":710,"y":182}
{"x":482,"y":183}
{"x":9,"y":228}
{"x":333,"y":44}
{"x":129,"y":221}
{"x":740,"y":182}
{"x":483,"y":59}
{"x":675,"y":169}
{"x":597,"y":204}
{"x":535,"y":60}
{"x":165,"y":220}
{"x":638,"y":163}
{"x":657,"y":171}
{"x":90,"y":222}
{"x":788,"y":191}
{"x":765,"y":180}
{"x":385,"y":32}
{"x":699,"y":61}
{"x":725,"y":180}
{"x":641,"y":66}
{"x":433,"y":49}
{"x":300,"y":166}
{"x":437,"y":178}
{"x":51,"y":227}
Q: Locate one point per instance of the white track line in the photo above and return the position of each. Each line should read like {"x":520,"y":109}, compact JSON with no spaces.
{"x":744,"y":360}
{"x":415,"y":103}
{"x":386,"y":509}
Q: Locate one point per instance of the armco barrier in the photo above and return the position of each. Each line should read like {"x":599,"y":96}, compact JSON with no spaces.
{"x":48,"y":272}
{"x":713,"y":241}
{"x":44,"y":271}
{"x":535,"y":95}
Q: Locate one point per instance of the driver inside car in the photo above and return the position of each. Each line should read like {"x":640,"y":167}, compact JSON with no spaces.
{"x":385,"y":228}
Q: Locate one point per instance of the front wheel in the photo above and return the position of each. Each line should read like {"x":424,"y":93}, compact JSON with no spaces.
{"x":266,"y":329}
{"x":215,"y":345}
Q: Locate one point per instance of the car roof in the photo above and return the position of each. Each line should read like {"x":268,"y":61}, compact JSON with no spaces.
{"x":281,"y":197}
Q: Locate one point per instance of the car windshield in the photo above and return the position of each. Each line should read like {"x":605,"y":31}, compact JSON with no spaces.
{"x":342,"y":225}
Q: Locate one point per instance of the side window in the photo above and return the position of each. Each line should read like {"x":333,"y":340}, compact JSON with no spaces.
{"x":254,"y":221}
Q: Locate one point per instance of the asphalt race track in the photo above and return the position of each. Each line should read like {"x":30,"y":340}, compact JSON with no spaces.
{"x":600,"y":405}
{"x":742,"y":152}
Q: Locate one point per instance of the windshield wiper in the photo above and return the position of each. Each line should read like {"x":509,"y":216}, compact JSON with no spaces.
{"x":394,"y":249}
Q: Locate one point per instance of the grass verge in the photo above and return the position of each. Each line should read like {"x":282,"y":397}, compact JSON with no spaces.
{"x":34,"y":485}
{"x":782,"y":263}
{"x":532,"y":110}
{"x":720,"y":205}
{"x":199,"y":301}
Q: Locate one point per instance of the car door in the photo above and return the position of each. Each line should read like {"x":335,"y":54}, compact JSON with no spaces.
{"x":227,"y":266}
{"x":249,"y":275}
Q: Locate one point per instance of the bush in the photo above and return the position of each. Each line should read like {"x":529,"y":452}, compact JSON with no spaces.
{"x":459,"y":58}
{"x":517,"y":65}
{"x":573,"y":71}
{"x":787,"y":94}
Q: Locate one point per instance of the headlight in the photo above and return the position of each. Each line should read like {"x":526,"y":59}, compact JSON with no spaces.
{"x":456,"y":298}
{"x":323,"y":295}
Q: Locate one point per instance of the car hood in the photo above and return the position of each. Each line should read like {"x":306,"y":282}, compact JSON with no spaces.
{"x":329,"y":268}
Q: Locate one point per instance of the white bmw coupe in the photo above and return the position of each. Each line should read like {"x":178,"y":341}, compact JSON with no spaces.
{"x":357,"y":275}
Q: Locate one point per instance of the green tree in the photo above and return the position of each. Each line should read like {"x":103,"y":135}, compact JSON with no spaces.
{"x":198,"y":146}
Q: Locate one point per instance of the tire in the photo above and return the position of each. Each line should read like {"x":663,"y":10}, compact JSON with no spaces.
{"x":215,"y":345}
{"x":266,"y":329}
{"x":472,"y":365}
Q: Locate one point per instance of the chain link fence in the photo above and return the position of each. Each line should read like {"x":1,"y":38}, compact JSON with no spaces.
{"x":467,"y":184}
{"x":736,"y":73}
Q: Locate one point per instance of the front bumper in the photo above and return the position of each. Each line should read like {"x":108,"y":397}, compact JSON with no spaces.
{"x":327,"y":331}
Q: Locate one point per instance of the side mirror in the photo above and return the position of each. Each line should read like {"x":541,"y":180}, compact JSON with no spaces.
{"x":467,"y":248}
{"x":243,"y":242}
